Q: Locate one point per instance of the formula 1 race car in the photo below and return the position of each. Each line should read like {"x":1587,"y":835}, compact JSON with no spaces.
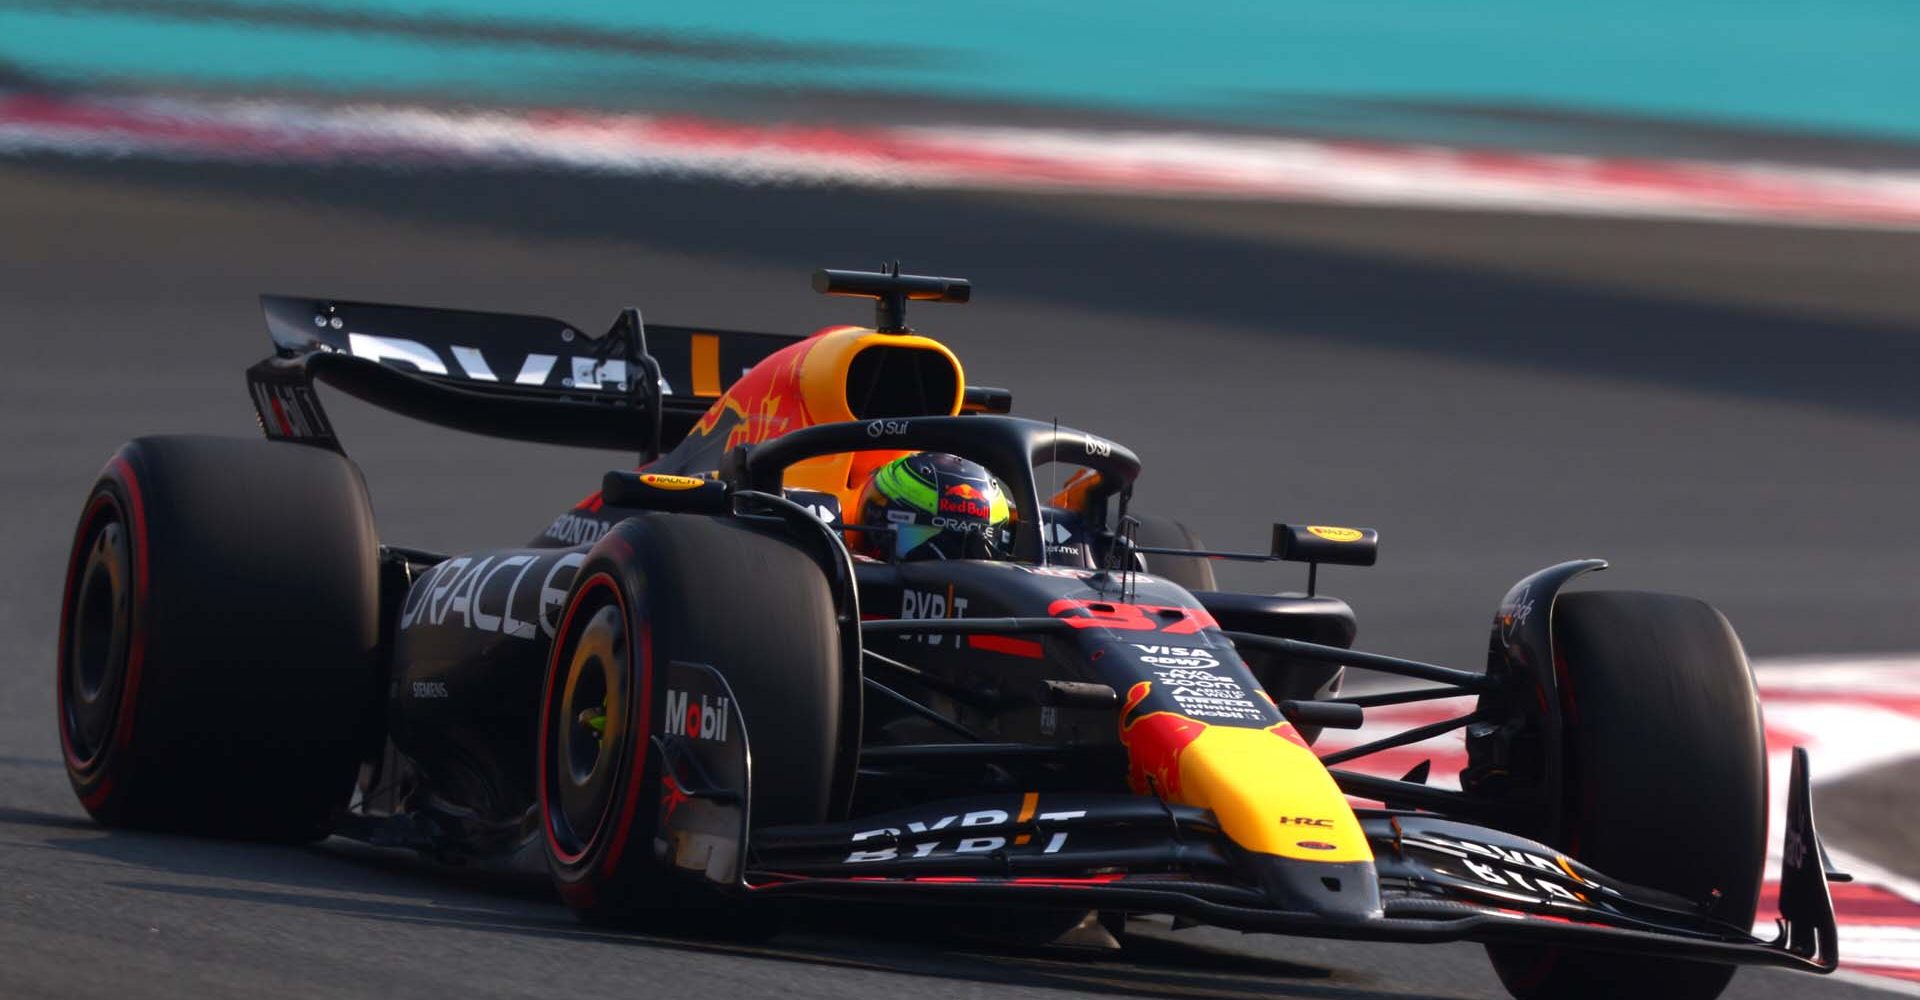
{"x":704,"y":690}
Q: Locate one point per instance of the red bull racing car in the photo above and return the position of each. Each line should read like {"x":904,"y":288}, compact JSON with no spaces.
{"x":832,"y":640}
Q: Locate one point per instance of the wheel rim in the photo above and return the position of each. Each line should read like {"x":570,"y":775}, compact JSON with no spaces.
{"x":96,"y":662}
{"x":587,"y":730}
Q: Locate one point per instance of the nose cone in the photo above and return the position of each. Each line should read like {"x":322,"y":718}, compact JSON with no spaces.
{"x":1277,"y":803}
{"x":1336,"y":891}
{"x":1271,"y":795}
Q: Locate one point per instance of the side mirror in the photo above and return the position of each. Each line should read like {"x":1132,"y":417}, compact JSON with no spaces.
{"x":1320,"y":543}
{"x":655,"y":491}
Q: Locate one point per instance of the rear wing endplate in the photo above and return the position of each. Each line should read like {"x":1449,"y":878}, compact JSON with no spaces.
{"x":529,"y":378}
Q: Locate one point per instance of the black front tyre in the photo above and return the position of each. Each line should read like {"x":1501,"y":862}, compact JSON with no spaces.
{"x":1665,"y":782}
{"x":219,"y":637}
{"x":661,"y":588}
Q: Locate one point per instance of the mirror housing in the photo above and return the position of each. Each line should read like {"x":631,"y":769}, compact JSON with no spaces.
{"x":1320,"y":543}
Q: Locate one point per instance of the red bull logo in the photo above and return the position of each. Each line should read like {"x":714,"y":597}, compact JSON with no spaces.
{"x":966,"y":500}
{"x":1154,"y":742}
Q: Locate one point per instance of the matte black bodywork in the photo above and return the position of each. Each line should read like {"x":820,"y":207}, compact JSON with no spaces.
{"x":472,"y":634}
{"x":975,"y":682}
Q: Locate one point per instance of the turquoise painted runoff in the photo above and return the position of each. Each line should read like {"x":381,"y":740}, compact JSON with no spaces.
{"x":1848,"y":66}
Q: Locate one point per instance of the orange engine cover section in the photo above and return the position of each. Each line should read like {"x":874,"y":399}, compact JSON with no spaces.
{"x":806,"y":384}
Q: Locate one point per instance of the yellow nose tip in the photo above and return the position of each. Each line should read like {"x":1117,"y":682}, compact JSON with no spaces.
{"x":1271,"y":795}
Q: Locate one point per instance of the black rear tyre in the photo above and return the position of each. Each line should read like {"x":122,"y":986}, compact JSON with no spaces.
{"x":660,"y":588}
{"x":219,"y":638}
{"x":1166,"y":533}
{"x":1665,"y":781}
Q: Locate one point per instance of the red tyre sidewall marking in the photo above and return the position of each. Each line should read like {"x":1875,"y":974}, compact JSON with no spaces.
{"x":88,"y":517}
{"x":137,"y":643}
{"x":562,"y":638}
{"x":581,"y":892}
{"x":136,"y":519}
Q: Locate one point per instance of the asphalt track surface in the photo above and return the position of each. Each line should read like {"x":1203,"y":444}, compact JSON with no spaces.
{"x":1720,"y":410}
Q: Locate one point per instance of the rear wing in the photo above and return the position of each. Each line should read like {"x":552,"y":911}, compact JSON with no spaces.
{"x":528,"y":378}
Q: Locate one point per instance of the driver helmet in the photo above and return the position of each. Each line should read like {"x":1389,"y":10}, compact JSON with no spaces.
{"x":934,"y":506}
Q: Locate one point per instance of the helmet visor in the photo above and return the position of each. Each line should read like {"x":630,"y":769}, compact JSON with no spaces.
{"x":909,"y":539}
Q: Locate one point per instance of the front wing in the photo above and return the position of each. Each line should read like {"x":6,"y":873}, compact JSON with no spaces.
{"x":1435,"y":879}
